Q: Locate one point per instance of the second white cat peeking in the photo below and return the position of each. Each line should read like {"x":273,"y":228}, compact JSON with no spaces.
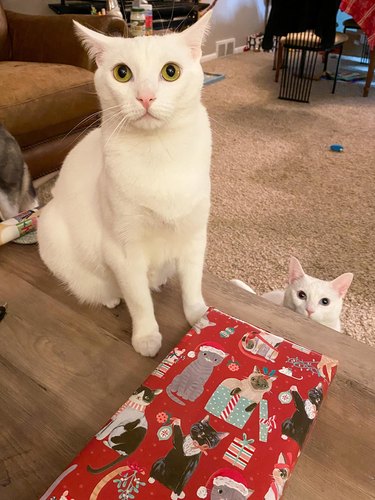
{"x":131,"y":204}
{"x":318,"y":299}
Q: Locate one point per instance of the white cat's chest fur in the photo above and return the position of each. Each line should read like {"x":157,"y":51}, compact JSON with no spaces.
{"x":156,"y":190}
{"x":161,"y":179}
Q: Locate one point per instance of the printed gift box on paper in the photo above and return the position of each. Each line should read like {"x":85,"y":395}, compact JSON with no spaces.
{"x":228,"y":410}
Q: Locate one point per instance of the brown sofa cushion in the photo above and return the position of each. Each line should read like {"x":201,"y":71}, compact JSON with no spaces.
{"x":41,"y":100}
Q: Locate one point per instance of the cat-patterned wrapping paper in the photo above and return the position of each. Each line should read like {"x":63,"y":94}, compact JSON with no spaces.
{"x":223,"y":417}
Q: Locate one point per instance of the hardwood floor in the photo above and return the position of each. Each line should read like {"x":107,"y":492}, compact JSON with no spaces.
{"x":65,"y":368}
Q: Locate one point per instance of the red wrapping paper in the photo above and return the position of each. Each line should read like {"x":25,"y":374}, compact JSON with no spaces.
{"x":248,"y":406}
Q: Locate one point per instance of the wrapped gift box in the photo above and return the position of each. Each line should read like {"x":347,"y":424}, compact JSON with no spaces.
{"x":228,"y":409}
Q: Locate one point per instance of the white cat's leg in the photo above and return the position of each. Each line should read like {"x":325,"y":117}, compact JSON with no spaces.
{"x":131,"y":274}
{"x":190,"y":271}
{"x":243,"y":285}
{"x":54,"y":242}
{"x":159,"y":277}
{"x":111,"y":304}
{"x":276,"y":296}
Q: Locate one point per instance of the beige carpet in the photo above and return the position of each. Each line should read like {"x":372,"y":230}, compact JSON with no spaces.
{"x":278,"y":191}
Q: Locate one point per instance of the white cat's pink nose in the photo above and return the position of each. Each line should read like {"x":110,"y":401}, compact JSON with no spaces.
{"x":310,"y":310}
{"x":146,"y":100}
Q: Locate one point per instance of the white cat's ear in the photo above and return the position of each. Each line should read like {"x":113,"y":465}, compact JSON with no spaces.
{"x":342,"y":283}
{"x":295,"y":270}
{"x":196,"y":34}
{"x":256,"y":370}
{"x":95,"y":43}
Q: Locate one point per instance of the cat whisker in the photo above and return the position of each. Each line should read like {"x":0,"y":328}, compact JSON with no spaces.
{"x":170,"y":19}
{"x":100,"y":112}
{"x":92,"y":125}
{"x":117,"y":129}
{"x":80,"y":123}
{"x":184,"y":19}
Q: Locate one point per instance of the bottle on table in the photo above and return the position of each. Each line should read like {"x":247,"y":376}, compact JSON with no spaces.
{"x":137,"y":21}
{"x":148,"y":16}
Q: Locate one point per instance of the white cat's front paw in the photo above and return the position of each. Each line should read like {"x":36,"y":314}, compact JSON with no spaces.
{"x":148,"y":344}
{"x":194,"y":312}
{"x":111,"y":304}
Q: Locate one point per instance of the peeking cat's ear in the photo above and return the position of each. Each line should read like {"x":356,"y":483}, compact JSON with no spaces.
{"x":95,"y":43}
{"x":295,"y":270}
{"x":206,"y":419}
{"x":342,"y":283}
{"x":196,"y":35}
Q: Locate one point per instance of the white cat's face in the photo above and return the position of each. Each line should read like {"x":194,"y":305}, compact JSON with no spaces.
{"x":148,"y":81}
{"x":316,"y":299}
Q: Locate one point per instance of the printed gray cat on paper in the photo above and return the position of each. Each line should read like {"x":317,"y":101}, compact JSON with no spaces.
{"x":189,"y":384}
{"x":16,"y":189}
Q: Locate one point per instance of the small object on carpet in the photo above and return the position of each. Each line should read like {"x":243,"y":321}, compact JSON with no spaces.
{"x":212,"y":78}
{"x":337,"y":148}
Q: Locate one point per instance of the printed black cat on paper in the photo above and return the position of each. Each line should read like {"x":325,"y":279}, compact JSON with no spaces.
{"x":128,"y":426}
{"x":297,"y":427}
{"x":176,"y":468}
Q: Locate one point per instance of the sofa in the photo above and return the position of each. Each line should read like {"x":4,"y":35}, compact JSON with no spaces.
{"x":47,"y":96}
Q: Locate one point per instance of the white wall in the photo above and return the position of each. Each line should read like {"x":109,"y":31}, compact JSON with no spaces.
{"x":235,"y":19}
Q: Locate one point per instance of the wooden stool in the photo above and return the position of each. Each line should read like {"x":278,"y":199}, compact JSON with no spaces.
{"x":309,"y":44}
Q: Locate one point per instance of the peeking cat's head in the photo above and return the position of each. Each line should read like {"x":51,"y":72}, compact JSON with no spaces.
{"x":149,"y":81}
{"x":144,"y":395}
{"x":320,"y":300}
{"x":203,"y":433}
{"x":259,"y":381}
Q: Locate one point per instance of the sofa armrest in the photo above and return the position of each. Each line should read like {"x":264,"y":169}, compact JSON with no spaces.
{"x":51,"y":39}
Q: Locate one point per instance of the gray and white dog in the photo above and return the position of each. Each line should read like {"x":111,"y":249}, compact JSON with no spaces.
{"x":17,"y":192}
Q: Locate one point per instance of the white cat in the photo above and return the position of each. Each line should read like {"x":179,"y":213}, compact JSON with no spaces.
{"x":320,"y":300}
{"x":132,"y":200}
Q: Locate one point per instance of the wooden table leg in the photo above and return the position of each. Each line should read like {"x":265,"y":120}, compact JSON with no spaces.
{"x":370,"y":73}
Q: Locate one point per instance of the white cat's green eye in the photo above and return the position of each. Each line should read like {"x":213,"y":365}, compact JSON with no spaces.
{"x":122,"y":73}
{"x":171,"y":72}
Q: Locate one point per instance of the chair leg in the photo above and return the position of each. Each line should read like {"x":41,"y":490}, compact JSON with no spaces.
{"x":326,"y":56}
{"x":337,"y":69}
{"x":370,"y":73}
{"x":279,"y":61}
{"x":275,"y":53}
